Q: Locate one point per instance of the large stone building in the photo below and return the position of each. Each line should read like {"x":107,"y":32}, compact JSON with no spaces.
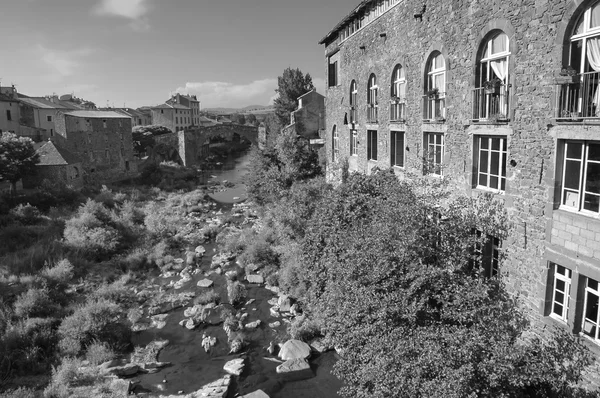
{"x":101,"y":139}
{"x":9,"y":110}
{"x":500,"y":96}
{"x":175,"y":117}
{"x":190,"y":101}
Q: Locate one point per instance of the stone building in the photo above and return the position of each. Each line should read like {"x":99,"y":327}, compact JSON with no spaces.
{"x":502,"y":97}
{"x":101,"y":139}
{"x":309,"y":118}
{"x":10,"y":114}
{"x":175,"y":117}
{"x":190,"y":101}
{"x":57,"y":164}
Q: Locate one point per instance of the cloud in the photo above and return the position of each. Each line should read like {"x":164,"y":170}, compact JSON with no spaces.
{"x":62,"y":63}
{"x":223,"y":94}
{"x":79,"y":89}
{"x":134,"y":10}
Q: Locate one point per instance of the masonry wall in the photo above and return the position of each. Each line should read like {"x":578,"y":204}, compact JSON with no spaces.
{"x":165,"y":118}
{"x":536,"y":29}
{"x":15,"y":114}
{"x":71,"y":175}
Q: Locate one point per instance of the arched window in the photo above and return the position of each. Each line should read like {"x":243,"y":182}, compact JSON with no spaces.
{"x":435,"y":88}
{"x":372,"y":99}
{"x":335,"y":149}
{"x":398,"y":94}
{"x":353,"y":102}
{"x":491,"y":91}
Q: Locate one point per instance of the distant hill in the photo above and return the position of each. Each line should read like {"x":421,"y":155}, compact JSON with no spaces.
{"x":246,"y":109}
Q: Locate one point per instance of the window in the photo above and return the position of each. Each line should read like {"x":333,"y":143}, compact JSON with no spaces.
{"x":561,"y":291}
{"x":334,"y":144}
{"x":371,"y":144}
{"x":491,"y":162}
{"x":490,"y":99}
{"x":434,"y":107}
{"x":162,"y":111}
{"x":486,"y":254}
{"x":353,"y":142}
{"x":76,"y":172}
{"x":397,"y":148}
{"x":590,"y":312}
{"x":581,"y":177}
{"x":48,"y":118}
{"x":106,"y":154}
{"x":434,"y":150}
{"x":8,"y":115}
{"x":398,"y":94}
{"x":51,"y":132}
{"x":372,"y":99}
{"x":104,"y":123}
{"x":353,"y":102}
{"x":332,"y":75}
{"x":176,"y":120}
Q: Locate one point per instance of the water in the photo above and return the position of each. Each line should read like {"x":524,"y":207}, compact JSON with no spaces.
{"x":233,"y":170}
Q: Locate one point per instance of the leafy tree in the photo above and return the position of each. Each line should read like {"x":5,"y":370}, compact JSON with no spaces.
{"x":251,"y":119}
{"x":291,"y":85}
{"x":153,"y":129}
{"x":17,"y":158}
{"x":390,"y":281}
{"x":238,"y":118}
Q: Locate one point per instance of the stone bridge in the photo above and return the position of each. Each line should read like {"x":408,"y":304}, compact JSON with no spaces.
{"x":189,"y":146}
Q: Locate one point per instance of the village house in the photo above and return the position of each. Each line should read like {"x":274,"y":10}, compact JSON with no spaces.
{"x":500,"y":98}
{"x":10,"y":114}
{"x":175,"y":117}
{"x":57,"y":164}
{"x":190,"y":101}
{"x":308,"y":120}
{"x":101,"y":139}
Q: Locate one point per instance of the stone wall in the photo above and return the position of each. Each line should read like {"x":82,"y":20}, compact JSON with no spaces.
{"x":537,"y":30}
{"x":71,"y":175}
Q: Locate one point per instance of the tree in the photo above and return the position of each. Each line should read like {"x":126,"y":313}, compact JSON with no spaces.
{"x":291,"y":85}
{"x":390,"y":279}
{"x":17,"y":158}
{"x":251,"y":119}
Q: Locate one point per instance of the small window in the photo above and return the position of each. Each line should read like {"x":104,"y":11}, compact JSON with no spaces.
{"x":51,"y":132}
{"x":372,"y":103}
{"x":353,"y":142}
{"x":335,"y":144}
{"x":162,"y":111}
{"x":486,"y":254}
{"x":561,"y":292}
{"x":353,"y":102}
{"x":398,"y":94}
{"x":48,"y":118}
{"x":591,"y":309}
{"x":581,"y":177}
{"x":106,"y":154}
{"x":332,"y":70}
{"x":491,"y":162}
{"x":8,"y":115}
{"x":104,"y":123}
{"x":371,"y":144}
{"x":176,"y":120}
{"x":434,"y":149}
{"x":397,"y":148}
{"x":435,"y":88}
{"x":76,"y":171}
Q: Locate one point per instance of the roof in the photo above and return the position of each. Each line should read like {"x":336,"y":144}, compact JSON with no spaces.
{"x":314,"y":90}
{"x":363,"y":4}
{"x":170,"y":106}
{"x":6,"y":98}
{"x":54,"y":155}
{"x":41,"y":103}
{"x":97,"y":114}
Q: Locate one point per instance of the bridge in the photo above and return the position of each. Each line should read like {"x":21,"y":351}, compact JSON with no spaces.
{"x":189,"y":146}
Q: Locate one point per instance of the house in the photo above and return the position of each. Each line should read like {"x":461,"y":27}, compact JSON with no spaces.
{"x":57,"y":164}
{"x":504,"y":102}
{"x":309,"y":118}
{"x":39,"y":112}
{"x":101,"y":139}
{"x":175,"y":117}
{"x":137,"y":118}
{"x":190,"y":101}
{"x":10,"y":114}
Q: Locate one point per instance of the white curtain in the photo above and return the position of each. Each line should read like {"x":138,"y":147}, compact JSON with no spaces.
{"x":499,"y":68}
{"x":593,"y":54}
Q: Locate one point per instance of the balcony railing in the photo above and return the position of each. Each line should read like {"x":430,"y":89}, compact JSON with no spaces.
{"x":397,"y":110}
{"x":491,"y":104}
{"x":578,"y":97}
{"x":353,"y":115}
{"x":372,"y":113}
{"x":434,"y":107}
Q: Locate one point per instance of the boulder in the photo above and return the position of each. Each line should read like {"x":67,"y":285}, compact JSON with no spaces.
{"x":200,"y":250}
{"x":274,"y":289}
{"x":205,"y":283}
{"x":319,"y":346}
{"x":190,"y":324}
{"x":294,"y":349}
{"x":295,"y":310}
{"x":234,"y":367}
{"x":295,"y":369}
{"x":190,"y":258}
{"x":250,"y":301}
{"x":256,"y":394}
{"x":253,"y":267}
{"x":156,"y":365}
{"x":273,"y":301}
{"x":275,"y":324}
{"x":122,"y":371}
{"x":258,"y":279}
{"x":253,"y":325}
{"x":284,"y":303}
{"x":235,"y":346}
{"x":159,"y":321}
{"x":274,"y":311}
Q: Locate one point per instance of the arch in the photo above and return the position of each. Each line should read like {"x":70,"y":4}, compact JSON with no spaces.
{"x":353,"y":102}
{"x":397,"y":93}
{"x":372,"y":100}
{"x":573,"y":11}
{"x":434,"y":87}
{"x":440,"y":48}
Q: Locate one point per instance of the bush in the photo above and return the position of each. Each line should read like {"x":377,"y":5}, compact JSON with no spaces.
{"x":236,"y":292}
{"x":159,"y":221}
{"x":304,"y":329}
{"x":99,"y":352}
{"x":61,"y":272}
{"x":34,"y":303}
{"x":95,"y":320}
{"x":209,"y":296}
{"x":21,"y":392}
{"x":26,"y":214}
{"x":116,"y":291}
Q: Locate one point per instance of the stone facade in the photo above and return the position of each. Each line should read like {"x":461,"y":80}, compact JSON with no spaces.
{"x":309,"y":118}
{"x":102,"y":140}
{"x":539,"y":33}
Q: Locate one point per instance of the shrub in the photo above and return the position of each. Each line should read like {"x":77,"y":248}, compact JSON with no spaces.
{"x":209,"y":296}
{"x":61,"y":272}
{"x":159,"y":221}
{"x":93,"y":230}
{"x":26,"y":214}
{"x":134,"y":315}
{"x":99,"y":352}
{"x":304,"y":329}
{"x":131,"y":214}
{"x":236,"y":292}
{"x":67,"y":375}
{"x":95,"y":320}
{"x":21,"y":392}
{"x":105,"y":197}
{"x":34,"y":303}
{"x":116,"y":291}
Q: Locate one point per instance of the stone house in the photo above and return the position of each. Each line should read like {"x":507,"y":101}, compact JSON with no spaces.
{"x":10,"y":114}
{"x":502,"y":97}
{"x":101,"y":139}
{"x":190,"y":101}
{"x":39,"y":112}
{"x":309,"y":118}
{"x":175,"y":117}
{"x":57,"y":164}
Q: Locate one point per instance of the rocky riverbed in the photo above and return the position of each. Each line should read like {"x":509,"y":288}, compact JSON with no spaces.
{"x":192,"y":342}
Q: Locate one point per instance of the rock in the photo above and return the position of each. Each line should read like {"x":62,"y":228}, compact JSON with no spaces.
{"x":253,"y":267}
{"x":274,"y":311}
{"x":231,"y":275}
{"x":120,"y":388}
{"x":273,"y":301}
{"x":284,"y":303}
{"x":250,"y":301}
{"x":274,"y":289}
{"x":275,"y":324}
{"x":190,"y":258}
{"x":253,"y":325}
{"x":159,"y":321}
{"x":141,"y":326}
{"x":190,"y":324}
{"x":200,"y":250}
{"x":179,"y":284}
{"x":156,"y":365}
{"x":112,"y":363}
{"x":235,"y":346}
{"x":205,"y":283}
{"x":191,"y":312}
{"x":295,"y":369}
{"x":258,"y":279}
{"x":294,"y":349}
{"x":126,"y":370}
{"x":234,"y":367}
{"x":256,"y":394}
{"x":178,"y":261}
{"x":319,"y":346}
{"x":272,"y":348}
{"x":295,"y":310}
{"x":168,"y":274}
{"x":218,"y":271}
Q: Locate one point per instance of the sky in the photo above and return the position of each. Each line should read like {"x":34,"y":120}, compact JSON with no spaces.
{"x":138,"y":52}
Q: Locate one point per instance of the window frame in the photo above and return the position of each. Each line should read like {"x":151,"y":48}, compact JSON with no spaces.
{"x":335,"y":144}
{"x":372,"y":145}
{"x":567,"y":279}
{"x":587,"y":290}
{"x":397,"y":106}
{"x":353,"y":102}
{"x":372,"y":100}
{"x":428,"y":155}
{"x":353,"y":142}
{"x":583,"y":182}
{"x":502,"y":162}
{"x":394,"y":149}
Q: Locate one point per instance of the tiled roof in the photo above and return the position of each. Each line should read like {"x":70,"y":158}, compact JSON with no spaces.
{"x":53,"y":155}
{"x":170,"y":106}
{"x":6,"y":98}
{"x":41,"y":103}
{"x":349,"y":17}
{"x":96,"y":114}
